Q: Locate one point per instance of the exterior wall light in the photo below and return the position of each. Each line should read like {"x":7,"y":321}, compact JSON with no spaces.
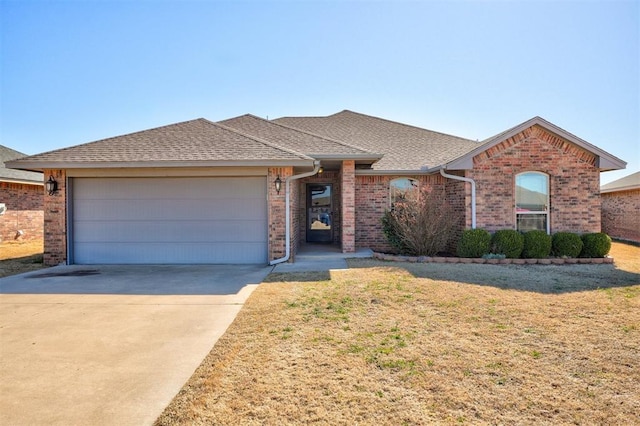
{"x":321,"y":170}
{"x":51,"y":186}
{"x":278,"y":184}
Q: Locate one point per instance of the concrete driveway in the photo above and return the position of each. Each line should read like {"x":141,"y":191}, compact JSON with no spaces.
{"x":107,"y":345}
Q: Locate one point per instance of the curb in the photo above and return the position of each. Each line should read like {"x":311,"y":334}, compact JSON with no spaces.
{"x":479,"y":260}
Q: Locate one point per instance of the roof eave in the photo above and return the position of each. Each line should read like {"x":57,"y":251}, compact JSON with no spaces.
{"x":373,"y":172}
{"x":620,"y":189}
{"x":604,"y":162}
{"x":22,"y":181}
{"x":44,"y":165}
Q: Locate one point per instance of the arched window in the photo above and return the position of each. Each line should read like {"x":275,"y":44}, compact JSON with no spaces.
{"x":400,"y":188}
{"x":532,"y":201}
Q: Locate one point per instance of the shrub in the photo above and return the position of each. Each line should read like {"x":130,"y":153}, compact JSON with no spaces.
{"x":420,"y":225}
{"x":596,"y":244}
{"x":508,"y":242}
{"x":566,"y":244}
{"x":537,"y":245}
{"x":474,"y":243}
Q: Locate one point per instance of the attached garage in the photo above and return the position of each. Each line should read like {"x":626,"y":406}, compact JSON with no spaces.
{"x":169,"y":220}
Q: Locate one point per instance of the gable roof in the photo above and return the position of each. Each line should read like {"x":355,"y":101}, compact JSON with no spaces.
{"x":626,"y":183}
{"x":604,"y":162}
{"x":298,"y":140}
{"x":405,"y":148}
{"x":197,"y":142}
{"x":19,"y":176}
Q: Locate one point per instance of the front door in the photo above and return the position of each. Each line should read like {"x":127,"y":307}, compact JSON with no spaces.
{"x":319,"y":213}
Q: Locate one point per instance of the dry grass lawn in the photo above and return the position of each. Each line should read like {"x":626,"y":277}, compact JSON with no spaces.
{"x":20,"y":256}
{"x":398,"y":343}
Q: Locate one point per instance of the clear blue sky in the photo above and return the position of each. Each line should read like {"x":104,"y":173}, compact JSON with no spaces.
{"x":78,"y":71}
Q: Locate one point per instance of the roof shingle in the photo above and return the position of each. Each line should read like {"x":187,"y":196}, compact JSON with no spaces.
{"x":8,"y":154}
{"x":404,"y":147}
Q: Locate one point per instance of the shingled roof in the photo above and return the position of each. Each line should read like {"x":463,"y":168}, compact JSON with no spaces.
{"x":10,"y":175}
{"x":298,"y":140}
{"x":404,"y":147}
{"x":626,"y":183}
{"x":197,"y":142}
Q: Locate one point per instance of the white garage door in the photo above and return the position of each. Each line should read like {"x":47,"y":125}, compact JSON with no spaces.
{"x":169,"y":220}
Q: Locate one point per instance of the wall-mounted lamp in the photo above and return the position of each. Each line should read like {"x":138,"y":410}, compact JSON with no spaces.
{"x":278,"y":184}
{"x":51,"y":186}
{"x":320,"y":170}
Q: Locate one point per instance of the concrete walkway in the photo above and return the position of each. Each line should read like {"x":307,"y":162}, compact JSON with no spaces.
{"x":319,"y":257}
{"x":110,"y":345}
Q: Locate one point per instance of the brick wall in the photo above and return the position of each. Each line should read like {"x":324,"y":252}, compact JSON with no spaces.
{"x":55,"y":221}
{"x":276,"y":212}
{"x":574,"y":181}
{"x":347,"y":184}
{"x":24,"y":217}
{"x":372,"y":201}
{"x":621,"y":214}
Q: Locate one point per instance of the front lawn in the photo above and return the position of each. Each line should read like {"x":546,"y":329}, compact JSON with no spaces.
{"x":398,"y":343}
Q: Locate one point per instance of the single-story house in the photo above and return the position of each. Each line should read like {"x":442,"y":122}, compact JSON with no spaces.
{"x":21,"y":200}
{"x":621,"y":208}
{"x":247,"y":190}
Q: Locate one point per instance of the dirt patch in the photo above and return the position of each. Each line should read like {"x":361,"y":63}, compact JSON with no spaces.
{"x":17,"y":257}
{"x":388,"y":343}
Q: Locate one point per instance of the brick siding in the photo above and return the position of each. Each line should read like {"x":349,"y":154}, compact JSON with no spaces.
{"x":574,"y":181}
{"x":347,"y":175}
{"x":55,"y":221}
{"x":372,"y":201}
{"x":24,"y":217}
{"x":621,"y":214}
{"x":277,"y":214}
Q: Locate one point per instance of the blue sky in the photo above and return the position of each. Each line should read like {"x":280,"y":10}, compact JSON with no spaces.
{"x":78,"y":71}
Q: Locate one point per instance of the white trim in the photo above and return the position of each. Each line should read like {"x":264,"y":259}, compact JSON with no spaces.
{"x":547,"y":212}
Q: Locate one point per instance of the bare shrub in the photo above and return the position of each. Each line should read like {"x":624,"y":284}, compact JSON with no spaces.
{"x":421,"y":224}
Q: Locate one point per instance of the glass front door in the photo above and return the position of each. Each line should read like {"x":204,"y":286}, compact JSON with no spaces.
{"x":319,"y":213}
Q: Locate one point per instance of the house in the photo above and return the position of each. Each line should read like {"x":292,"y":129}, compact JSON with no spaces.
{"x":621,"y":208}
{"x":247,"y":190}
{"x":21,"y":200}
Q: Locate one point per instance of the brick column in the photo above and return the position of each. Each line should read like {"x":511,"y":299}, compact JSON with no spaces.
{"x":55,"y":220}
{"x":348,"y":182}
{"x":276,"y":211}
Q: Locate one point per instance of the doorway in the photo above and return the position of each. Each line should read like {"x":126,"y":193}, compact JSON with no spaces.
{"x":319,"y":213}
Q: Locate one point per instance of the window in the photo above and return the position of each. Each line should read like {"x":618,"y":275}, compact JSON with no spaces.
{"x":400,"y":188}
{"x":532,"y":201}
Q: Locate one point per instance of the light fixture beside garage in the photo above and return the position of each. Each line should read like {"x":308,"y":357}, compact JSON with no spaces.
{"x":51,"y":186}
{"x":278,"y":184}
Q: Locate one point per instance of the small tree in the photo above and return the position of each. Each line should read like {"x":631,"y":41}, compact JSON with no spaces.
{"x":419,"y":225}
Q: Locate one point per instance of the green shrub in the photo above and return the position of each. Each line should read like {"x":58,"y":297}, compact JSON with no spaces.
{"x":508,"y":242}
{"x":537,"y":245}
{"x":566,"y":244}
{"x":596,"y":244}
{"x":474,"y":243}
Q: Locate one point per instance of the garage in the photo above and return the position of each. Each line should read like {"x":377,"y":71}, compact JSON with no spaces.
{"x":168,"y":220}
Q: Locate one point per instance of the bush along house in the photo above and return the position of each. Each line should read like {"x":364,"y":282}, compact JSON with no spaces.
{"x":250,"y":190}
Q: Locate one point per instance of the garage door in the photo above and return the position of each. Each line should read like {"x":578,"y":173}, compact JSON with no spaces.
{"x":169,"y":220}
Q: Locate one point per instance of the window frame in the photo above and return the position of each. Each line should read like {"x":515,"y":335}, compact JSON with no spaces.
{"x":533,"y":212}
{"x":415,"y":183}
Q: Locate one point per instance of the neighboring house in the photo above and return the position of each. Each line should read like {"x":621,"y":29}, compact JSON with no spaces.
{"x":21,"y":200}
{"x":621,"y":208}
{"x":249,"y":190}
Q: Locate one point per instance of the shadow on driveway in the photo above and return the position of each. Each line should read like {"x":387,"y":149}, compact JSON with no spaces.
{"x":136,"y":279}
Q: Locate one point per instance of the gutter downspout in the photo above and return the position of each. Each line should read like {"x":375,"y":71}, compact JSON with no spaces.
{"x":473,"y":193}
{"x":287,"y":208}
